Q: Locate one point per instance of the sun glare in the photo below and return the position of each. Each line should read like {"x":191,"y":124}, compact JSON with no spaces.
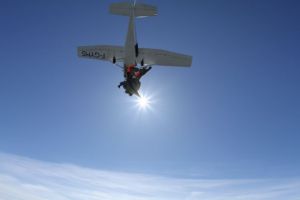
{"x":143,"y":102}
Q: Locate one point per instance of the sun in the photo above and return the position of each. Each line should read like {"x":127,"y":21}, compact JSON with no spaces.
{"x":143,"y":102}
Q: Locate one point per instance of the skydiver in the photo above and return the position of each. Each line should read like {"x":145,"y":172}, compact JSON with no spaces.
{"x":141,"y":72}
{"x":144,"y":70}
{"x":123,"y":83}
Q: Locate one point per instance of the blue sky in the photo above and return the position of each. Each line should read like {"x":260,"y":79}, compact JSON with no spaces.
{"x":234,"y":115}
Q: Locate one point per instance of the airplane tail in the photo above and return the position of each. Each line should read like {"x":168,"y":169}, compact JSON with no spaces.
{"x":129,"y":9}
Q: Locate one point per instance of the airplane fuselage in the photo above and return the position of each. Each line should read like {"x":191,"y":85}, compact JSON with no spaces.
{"x":133,"y":83}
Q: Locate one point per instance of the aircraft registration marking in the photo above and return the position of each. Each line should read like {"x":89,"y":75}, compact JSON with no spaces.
{"x":94,"y":54}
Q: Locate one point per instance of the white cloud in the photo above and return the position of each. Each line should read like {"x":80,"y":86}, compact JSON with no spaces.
{"x":27,"y":179}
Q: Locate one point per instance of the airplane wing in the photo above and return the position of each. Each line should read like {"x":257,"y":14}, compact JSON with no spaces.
{"x":164,"y":58}
{"x":101,"y":52}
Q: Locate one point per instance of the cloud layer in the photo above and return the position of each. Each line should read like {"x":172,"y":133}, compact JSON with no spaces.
{"x":27,"y":179}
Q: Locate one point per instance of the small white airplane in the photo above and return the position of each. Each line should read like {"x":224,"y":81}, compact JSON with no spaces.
{"x":131,"y":55}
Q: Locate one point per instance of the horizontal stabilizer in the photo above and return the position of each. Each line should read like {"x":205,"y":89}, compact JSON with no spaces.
{"x":137,"y":10}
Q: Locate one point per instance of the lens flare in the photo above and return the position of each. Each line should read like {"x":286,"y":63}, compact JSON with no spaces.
{"x":143,"y":102}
